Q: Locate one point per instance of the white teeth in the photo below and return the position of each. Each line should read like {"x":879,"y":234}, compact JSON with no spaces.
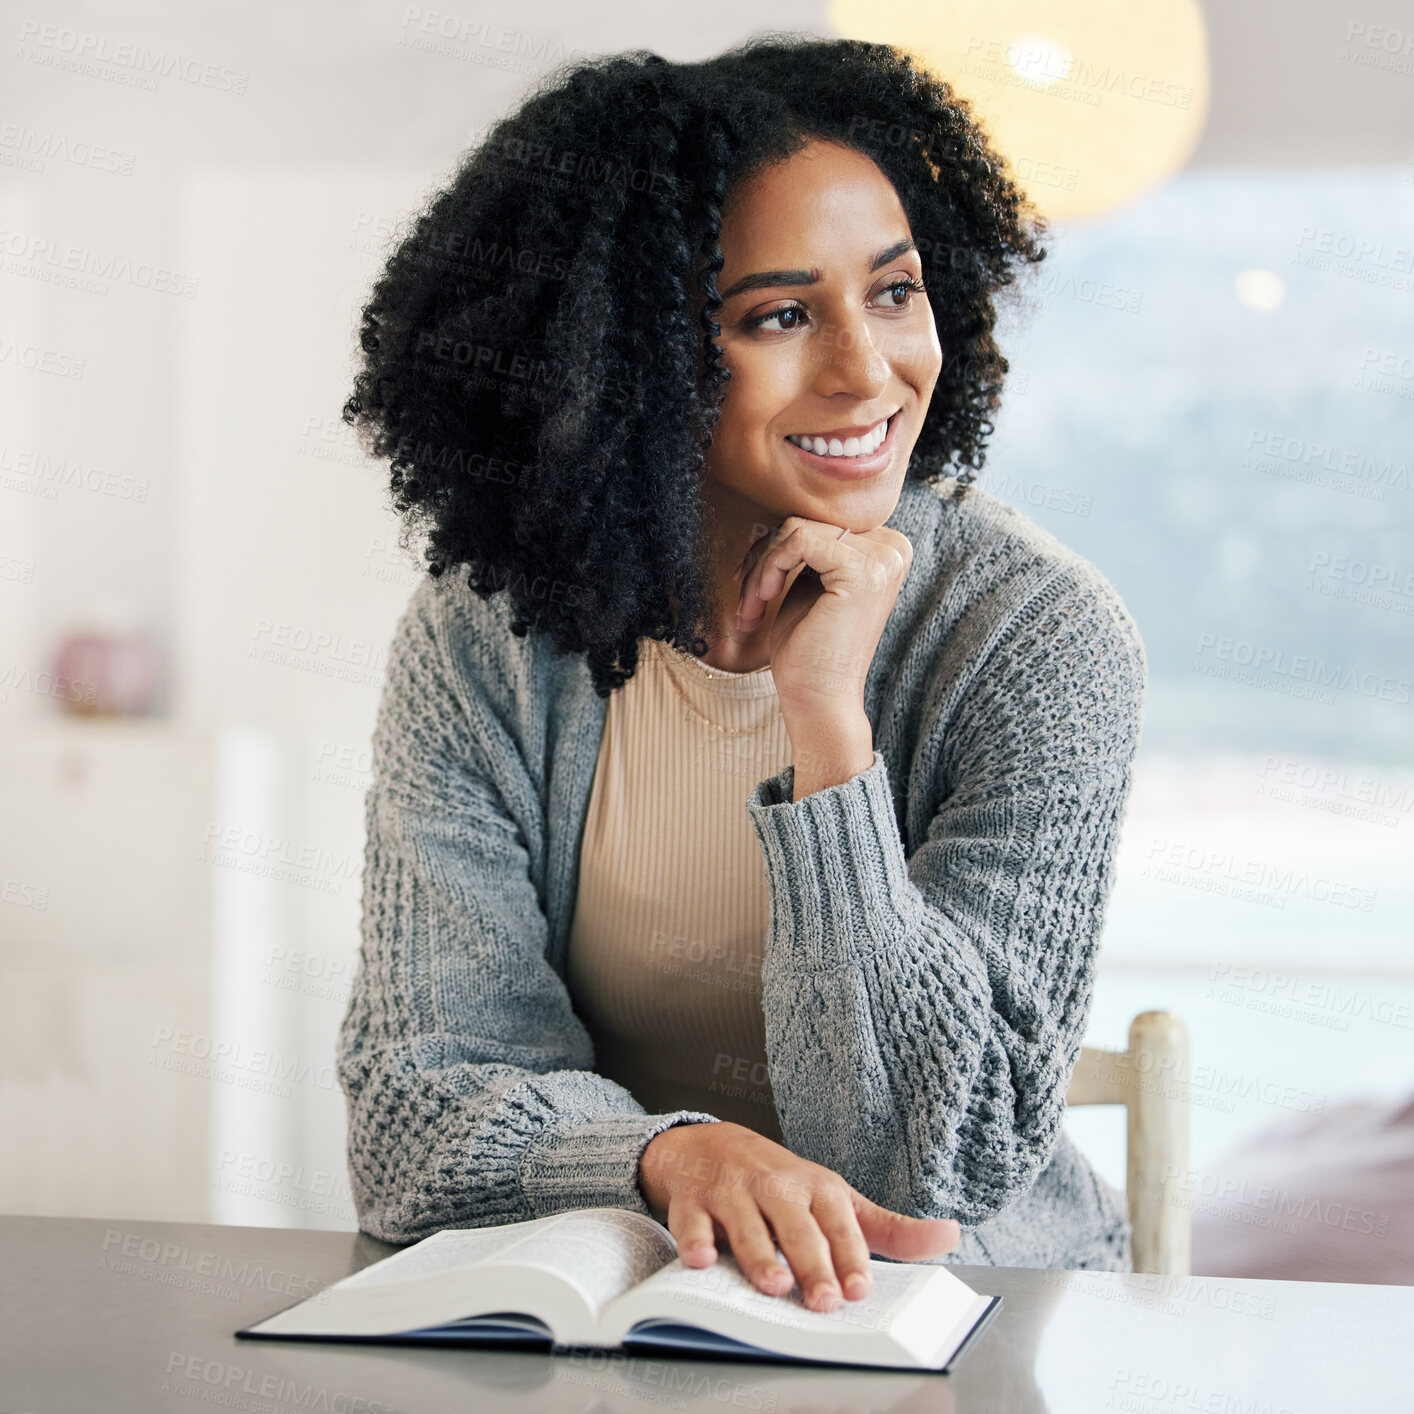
{"x":851,"y":447}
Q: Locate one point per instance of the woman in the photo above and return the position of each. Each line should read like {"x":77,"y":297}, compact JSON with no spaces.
{"x":744,"y":804}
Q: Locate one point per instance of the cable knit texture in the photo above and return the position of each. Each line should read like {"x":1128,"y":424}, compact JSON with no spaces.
{"x":935,"y":920}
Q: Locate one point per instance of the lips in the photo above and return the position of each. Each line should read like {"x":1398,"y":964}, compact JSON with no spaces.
{"x":857,"y":441}
{"x":856,"y":467}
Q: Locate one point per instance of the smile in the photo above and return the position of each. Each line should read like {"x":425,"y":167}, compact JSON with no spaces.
{"x":863,"y":453}
{"x":830,"y":444}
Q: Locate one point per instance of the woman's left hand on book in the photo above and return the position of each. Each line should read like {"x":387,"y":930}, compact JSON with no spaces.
{"x":724,"y":1182}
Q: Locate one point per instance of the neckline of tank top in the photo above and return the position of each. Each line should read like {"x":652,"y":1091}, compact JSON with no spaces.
{"x":757,"y":682}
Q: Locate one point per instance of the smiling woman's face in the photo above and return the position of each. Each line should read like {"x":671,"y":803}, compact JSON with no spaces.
{"x":825,"y":337}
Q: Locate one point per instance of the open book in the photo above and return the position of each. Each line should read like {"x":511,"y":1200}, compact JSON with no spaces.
{"x":610,"y":1278}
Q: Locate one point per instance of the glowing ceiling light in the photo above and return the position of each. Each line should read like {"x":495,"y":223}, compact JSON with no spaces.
{"x":1091,"y":104}
{"x":1039,"y":60}
{"x":1262,"y":290}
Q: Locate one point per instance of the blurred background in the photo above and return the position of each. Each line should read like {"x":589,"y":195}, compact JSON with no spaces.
{"x":1211,"y":398}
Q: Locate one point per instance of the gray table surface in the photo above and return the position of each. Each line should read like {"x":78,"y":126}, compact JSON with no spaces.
{"x":99,"y":1315}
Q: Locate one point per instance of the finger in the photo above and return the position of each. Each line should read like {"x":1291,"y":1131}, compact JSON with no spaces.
{"x":773,"y":571}
{"x":691,"y":1226}
{"x":839,"y":1224}
{"x":751,"y":602}
{"x":771,"y":574}
{"x":754,"y":1248}
{"x":806,"y":1249}
{"x":812,"y":545}
{"x":905,"y":1239}
{"x":754,"y":551}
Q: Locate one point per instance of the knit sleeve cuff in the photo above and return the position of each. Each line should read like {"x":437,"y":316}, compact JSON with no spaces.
{"x":839,"y":880}
{"x":594,"y":1164}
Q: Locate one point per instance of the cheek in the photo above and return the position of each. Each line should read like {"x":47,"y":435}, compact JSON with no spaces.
{"x":919,"y":356}
{"x":935,"y":354}
{"x":760,"y":388}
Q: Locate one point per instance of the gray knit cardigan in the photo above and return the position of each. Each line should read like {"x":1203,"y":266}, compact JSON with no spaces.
{"x":933,"y":931}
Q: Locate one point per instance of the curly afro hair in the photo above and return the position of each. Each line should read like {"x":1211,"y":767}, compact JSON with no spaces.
{"x":532,"y":365}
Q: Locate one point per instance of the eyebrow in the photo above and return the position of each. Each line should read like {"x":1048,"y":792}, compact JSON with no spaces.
{"x":771,"y":279}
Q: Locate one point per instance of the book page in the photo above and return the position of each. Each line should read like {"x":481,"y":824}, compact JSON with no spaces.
{"x":444,"y":1251}
{"x":601,"y":1252}
{"x":916,"y":1314}
{"x":679,"y":1291}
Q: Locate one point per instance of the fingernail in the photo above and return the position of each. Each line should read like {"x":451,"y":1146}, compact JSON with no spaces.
{"x":825,"y":1298}
{"x":855,"y":1286}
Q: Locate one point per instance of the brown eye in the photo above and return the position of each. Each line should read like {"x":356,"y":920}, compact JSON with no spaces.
{"x":760,"y":320}
{"x":911,"y":285}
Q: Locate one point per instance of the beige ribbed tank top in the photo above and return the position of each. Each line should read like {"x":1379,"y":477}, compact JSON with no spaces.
{"x":673,"y":904}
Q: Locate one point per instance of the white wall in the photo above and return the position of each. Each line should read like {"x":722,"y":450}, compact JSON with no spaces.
{"x":290,"y":595}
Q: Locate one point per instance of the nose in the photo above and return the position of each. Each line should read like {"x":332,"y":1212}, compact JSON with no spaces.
{"x":850,"y":361}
